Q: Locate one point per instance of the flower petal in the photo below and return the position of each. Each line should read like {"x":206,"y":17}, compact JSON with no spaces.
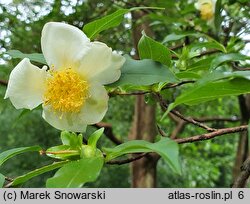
{"x":63,"y":45}
{"x":96,"y":105}
{"x":101,"y":64}
{"x":198,"y":4}
{"x":26,"y":85}
{"x":66,"y":121}
{"x":92,"y":112}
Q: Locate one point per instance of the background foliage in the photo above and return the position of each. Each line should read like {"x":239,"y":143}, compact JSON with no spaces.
{"x":204,"y":164}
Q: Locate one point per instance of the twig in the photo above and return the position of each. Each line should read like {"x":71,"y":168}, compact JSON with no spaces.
{"x":125,"y":161}
{"x":175,"y":47}
{"x":227,"y":30}
{"x":178,"y":129}
{"x":111,"y":94}
{"x":209,"y":52}
{"x":3,"y":82}
{"x":164,"y":105}
{"x":9,"y":179}
{"x":162,"y":133}
{"x":192,"y":139}
{"x":191,"y":120}
{"x":211,"y":135}
{"x":181,"y":123}
{"x":241,"y":180}
{"x":212,"y":119}
{"x":235,"y":66}
{"x":168,"y":86}
{"x":243,"y":69}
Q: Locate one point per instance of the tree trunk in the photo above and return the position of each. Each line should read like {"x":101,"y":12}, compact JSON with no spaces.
{"x":144,"y":124}
{"x":144,"y":170}
{"x":242,"y":150}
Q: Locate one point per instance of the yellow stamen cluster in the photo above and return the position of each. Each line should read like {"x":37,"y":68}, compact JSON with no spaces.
{"x":207,"y":11}
{"x":66,"y":91}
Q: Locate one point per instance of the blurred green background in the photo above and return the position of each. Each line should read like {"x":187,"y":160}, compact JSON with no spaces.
{"x":205,"y":164}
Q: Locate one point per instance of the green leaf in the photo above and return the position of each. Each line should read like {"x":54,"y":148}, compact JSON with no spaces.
{"x":93,"y":28}
{"x":188,"y":75}
{"x":144,"y":72}
{"x":63,"y":152}
{"x":94,"y":137}
{"x":217,"y":16}
{"x":76,"y":173}
{"x":4,"y":156}
{"x":71,"y":139}
{"x":24,"y":178}
{"x":166,"y":148}
{"x":218,"y":75}
{"x":176,"y":36}
{"x":203,"y":64}
{"x":212,"y":90}
{"x":209,"y":45}
{"x":151,"y":49}
{"x":227,"y":58}
{"x":35,"y":57}
{"x":2,"y":180}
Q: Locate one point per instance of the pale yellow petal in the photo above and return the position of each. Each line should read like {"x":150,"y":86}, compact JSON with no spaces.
{"x":26,"y":85}
{"x":63,"y":45}
{"x":96,"y":105}
{"x":101,"y":65}
{"x":66,"y":121}
{"x":92,"y":112}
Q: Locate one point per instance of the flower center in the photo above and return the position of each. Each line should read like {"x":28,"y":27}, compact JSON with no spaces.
{"x":207,"y":11}
{"x":66,"y":91}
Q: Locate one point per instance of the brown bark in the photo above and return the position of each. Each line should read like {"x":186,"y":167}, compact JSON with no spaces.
{"x":242,"y":150}
{"x":144,"y":125}
{"x":210,"y":135}
{"x":241,"y":180}
{"x":144,"y":170}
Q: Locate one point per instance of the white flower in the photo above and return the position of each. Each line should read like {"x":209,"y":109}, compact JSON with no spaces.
{"x":72,"y":91}
{"x":207,"y":9}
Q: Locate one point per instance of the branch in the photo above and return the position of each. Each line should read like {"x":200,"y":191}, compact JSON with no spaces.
{"x":181,"y":123}
{"x":9,"y":179}
{"x":235,"y":66}
{"x":3,"y":82}
{"x":212,"y":119}
{"x":8,"y":182}
{"x":209,"y":52}
{"x":175,"y":47}
{"x":162,"y":133}
{"x":241,"y":180}
{"x":126,"y":161}
{"x":196,"y":138}
{"x":211,"y":135}
{"x":108,"y":131}
{"x":168,"y":86}
{"x":178,"y":129}
{"x":115,"y":93}
{"x":164,"y":105}
{"x":227,"y":30}
{"x":193,"y":121}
